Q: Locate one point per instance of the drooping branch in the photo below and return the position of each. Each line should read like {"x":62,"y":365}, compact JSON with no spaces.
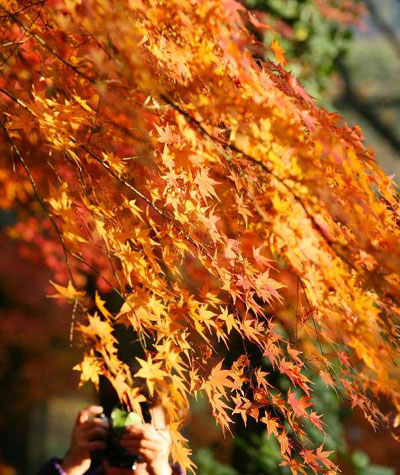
{"x":222,"y":145}
{"x":39,"y":199}
{"x":40,"y":40}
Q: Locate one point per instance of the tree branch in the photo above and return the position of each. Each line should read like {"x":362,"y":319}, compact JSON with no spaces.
{"x":264,"y":167}
{"x":39,"y":199}
{"x":40,"y":40}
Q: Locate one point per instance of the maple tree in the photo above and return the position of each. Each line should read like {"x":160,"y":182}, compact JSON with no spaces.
{"x":143,"y":143}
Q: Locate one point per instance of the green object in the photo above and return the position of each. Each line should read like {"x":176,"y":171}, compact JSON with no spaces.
{"x":121,"y":419}
{"x":360,"y":459}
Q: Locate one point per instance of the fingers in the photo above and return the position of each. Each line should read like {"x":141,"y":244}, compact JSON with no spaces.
{"x":96,"y":433}
{"x":136,"y":428}
{"x":145,"y":441}
{"x":89,"y":425}
{"x":85,"y":414}
{"x":149,"y":450}
{"x":95,"y":445}
{"x":147,"y":432}
{"x":143,"y":430}
{"x":142,"y":444}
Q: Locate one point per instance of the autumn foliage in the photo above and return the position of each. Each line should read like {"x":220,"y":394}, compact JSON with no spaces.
{"x":142,"y":143}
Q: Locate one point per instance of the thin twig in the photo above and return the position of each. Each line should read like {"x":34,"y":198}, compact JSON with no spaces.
{"x":264,"y":167}
{"x":39,"y":199}
{"x":40,"y":40}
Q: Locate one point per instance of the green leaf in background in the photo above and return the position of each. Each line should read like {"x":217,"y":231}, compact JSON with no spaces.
{"x":207,"y":465}
{"x":377,"y":470}
{"x":313,"y":42}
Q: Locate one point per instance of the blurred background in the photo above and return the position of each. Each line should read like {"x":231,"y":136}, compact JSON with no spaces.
{"x":347,"y":55}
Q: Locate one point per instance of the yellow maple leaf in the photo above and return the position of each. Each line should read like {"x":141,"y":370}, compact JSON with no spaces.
{"x":151,"y":372}
{"x":90,"y":369}
{"x":68,"y":292}
{"x":279,"y":53}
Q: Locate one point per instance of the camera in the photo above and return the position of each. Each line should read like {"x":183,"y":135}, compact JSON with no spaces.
{"x":117,"y":420}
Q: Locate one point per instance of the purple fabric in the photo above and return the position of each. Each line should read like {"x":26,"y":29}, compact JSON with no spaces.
{"x":176,"y":470}
{"x":53,"y":467}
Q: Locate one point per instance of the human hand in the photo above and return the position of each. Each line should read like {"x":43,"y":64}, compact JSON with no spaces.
{"x":86,"y":437}
{"x":151,"y":444}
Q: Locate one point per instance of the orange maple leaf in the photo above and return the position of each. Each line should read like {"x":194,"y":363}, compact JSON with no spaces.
{"x":206,"y":184}
{"x":279,"y":53}
{"x":271,"y":423}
